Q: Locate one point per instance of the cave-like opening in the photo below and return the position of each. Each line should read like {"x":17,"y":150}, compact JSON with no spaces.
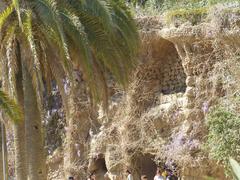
{"x":173,"y":78}
{"x":165,"y":58}
{"x":100,"y":168}
{"x":145,"y":165}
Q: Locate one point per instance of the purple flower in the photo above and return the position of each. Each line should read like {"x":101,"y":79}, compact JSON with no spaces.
{"x":205,"y":107}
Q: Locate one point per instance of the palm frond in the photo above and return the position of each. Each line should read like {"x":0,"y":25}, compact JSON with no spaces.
{"x":52,"y":38}
{"x":34,"y":67}
{"x":16,"y":5}
{"x":112,"y":34}
{"x":46,"y":70}
{"x":99,"y":36}
{"x":11,"y":62}
{"x":75,"y":30}
{"x":10,"y":107}
{"x":48,"y":14}
{"x":5,"y":14}
{"x":29,"y":35}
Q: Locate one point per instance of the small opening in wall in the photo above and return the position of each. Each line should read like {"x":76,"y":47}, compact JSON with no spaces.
{"x":145,"y":165}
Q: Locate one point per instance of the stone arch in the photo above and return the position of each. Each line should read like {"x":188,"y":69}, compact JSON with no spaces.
{"x":97,"y":165}
{"x":173,"y":76}
{"x":144,"y":164}
{"x":160,"y":73}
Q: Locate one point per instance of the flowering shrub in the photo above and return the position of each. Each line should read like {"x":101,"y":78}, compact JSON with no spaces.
{"x":223,"y":140}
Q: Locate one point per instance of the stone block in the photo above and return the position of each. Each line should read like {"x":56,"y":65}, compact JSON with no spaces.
{"x":190,"y":92}
{"x":190,"y":81}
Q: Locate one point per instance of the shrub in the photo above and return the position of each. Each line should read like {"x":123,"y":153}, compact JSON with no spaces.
{"x":223,"y":139}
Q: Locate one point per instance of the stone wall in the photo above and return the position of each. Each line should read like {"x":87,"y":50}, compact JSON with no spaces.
{"x":165,"y":59}
{"x":173,"y":59}
{"x":174,"y":77}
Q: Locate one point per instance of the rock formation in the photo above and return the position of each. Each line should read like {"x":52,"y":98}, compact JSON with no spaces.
{"x":160,"y":118}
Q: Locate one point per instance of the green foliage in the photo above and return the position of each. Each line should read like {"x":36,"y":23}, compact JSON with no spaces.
{"x":98,"y":36}
{"x":165,"y":5}
{"x":186,"y":4}
{"x":223,"y":140}
{"x":17,"y":8}
{"x":180,"y":7}
{"x":5,"y":14}
{"x":10,"y":108}
{"x":236,"y":168}
{"x":192,"y":15}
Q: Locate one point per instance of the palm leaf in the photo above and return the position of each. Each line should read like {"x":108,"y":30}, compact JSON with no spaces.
{"x":48,"y":14}
{"x":10,"y":107}
{"x":5,"y":14}
{"x":34,"y":67}
{"x":75,"y":30}
{"x":98,"y":35}
{"x":17,"y":8}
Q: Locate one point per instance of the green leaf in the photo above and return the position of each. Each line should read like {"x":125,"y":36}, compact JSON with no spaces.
{"x":235,"y":167}
{"x":10,"y":107}
{"x":17,"y":8}
{"x":5,"y":14}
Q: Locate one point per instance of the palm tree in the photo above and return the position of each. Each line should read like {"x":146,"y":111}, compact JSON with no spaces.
{"x":53,"y":37}
{"x":10,"y":108}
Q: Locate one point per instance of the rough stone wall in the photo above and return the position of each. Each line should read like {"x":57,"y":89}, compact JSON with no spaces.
{"x":173,"y":76}
{"x":166,"y":60}
{"x":171,"y":126}
{"x":161,"y":117}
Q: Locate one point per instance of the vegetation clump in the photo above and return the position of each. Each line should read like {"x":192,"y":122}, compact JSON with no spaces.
{"x":193,"y":11}
{"x":223,"y":139}
{"x":192,"y":15}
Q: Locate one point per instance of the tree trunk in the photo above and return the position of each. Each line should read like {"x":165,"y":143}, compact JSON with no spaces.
{"x":4,"y":152}
{"x":36,"y":159}
{"x":1,"y":156}
{"x":19,"y":130}
{"x":77,"y":133}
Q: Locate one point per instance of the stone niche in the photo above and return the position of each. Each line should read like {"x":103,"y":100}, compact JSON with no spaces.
{"x":97,"y":166}
{"x":173,"y":75}
{"x":143,"y":164}
{"x":163,"y":56}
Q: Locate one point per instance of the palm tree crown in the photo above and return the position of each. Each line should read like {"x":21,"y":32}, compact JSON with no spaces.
{"x":95,"y":35}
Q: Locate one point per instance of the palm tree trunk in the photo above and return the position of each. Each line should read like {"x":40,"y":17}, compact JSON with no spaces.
{"x":19,"y":130}
{"x":78,"y":125}
{"x":4,"y":152}
{"x":1,"y":157}
{"x":36,"y":159}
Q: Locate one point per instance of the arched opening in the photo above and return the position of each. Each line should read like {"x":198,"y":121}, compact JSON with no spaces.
{"x":98,"y":167}
{"x":145,"y":165}
{"x":173,"y":79}
{"x":165,"y":59}
{"x":101,"y":168}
